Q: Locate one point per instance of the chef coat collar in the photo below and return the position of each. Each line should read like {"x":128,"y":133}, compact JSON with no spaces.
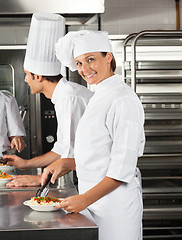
{"x":58,"y":90}
{"x":107,"y":82}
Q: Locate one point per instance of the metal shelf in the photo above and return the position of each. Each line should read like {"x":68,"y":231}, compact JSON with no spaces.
{"x":152,"y":65}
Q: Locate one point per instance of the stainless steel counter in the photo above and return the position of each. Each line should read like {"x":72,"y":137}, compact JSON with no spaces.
{"x":18,"y":221}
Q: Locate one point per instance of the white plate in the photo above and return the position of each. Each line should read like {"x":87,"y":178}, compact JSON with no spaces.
{"x":7,"y":169}
{"x":42,"y":208}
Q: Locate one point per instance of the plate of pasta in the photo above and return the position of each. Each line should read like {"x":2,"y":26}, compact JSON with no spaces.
{"x":43,"y":204}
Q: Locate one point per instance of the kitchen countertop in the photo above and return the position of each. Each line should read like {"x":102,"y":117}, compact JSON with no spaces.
{"x":18,"y":221}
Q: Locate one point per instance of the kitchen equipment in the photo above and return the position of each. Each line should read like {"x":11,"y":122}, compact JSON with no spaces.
{"x":10,"y":151}
{"x":152,"y":65}
{"x":15,"y":225}
{"x":3,"y":161}
{"x":44,"y":190}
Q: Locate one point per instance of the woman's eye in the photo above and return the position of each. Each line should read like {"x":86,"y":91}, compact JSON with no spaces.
{"x":78,"y":63}
{"x":90,"y":59}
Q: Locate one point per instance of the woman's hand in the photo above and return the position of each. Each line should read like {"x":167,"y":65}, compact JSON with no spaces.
{"x":58,"y":168}
{"x":74,"y":203}
{"x":17,"y":143}
{"x":78,"y":203}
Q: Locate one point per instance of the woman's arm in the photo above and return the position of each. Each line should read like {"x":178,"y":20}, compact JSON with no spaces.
{"x":79,"y":202}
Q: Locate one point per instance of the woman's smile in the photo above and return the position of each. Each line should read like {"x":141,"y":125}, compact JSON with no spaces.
{"x":90,"y":76}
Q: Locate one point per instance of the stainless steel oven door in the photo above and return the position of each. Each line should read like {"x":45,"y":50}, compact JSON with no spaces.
{"x":12,"y":81}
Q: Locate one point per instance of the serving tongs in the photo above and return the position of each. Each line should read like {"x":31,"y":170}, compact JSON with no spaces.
{"x":44,"y":190}
{"x":3,"y":161}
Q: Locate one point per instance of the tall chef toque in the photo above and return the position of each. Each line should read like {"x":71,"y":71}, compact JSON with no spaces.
{"x":76,"y":43}
{"x":45,"y":30}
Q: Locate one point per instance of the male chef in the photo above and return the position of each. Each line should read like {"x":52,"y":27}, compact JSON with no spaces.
{"x":42,"y":73}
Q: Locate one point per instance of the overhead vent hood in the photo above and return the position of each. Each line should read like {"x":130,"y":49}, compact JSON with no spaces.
{"x":56,"y":6}
{"x":73,"y":10}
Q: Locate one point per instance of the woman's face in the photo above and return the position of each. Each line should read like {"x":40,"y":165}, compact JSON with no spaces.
{"x":94,"y":67}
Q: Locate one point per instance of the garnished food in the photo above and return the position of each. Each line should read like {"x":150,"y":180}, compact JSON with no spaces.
{"x":44,"y":201}
{"x":4,"y":175}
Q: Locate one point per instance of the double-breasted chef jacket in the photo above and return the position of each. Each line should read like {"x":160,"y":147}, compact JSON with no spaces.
{"x":10,"y":121}
{"x":70,"y":100}
{"x":109,"y":140}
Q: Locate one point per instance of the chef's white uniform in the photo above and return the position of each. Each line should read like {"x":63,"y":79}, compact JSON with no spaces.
{"x":70,"y":100}
{"x":109,"y":140}
{"x":10,"y":121}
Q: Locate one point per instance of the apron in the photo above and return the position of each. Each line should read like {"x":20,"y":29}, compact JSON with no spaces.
{"x":119,"y":214}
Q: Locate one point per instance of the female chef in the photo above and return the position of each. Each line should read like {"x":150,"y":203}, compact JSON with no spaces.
{"x":109,"y":140}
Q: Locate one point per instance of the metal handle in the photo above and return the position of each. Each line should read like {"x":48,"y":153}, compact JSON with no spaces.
{"x":23,"y":112}
{"x":125,"y":42}
{"x":133,"y":49}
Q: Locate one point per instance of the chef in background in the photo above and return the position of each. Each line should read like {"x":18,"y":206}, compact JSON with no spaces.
{"x":42,"y":70}
{"x":109,"y":140}
{"x":12,"y":130}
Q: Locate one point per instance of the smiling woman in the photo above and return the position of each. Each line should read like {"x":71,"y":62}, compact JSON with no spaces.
{"x":109,"y":140}
{"x":94,"y":67}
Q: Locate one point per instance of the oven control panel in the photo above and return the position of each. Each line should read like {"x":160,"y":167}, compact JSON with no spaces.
{"x":48,"y":124}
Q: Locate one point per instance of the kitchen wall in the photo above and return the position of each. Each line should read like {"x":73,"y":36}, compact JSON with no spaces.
{"x":120,"y":17}
{"x":128,"y":16}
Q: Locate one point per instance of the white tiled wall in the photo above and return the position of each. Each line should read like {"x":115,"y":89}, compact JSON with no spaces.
{"x":127,"y":16}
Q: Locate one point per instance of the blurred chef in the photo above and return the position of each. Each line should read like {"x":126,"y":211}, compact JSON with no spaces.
{"x":109,"y":140}
{"x":12,"y":130}
{"x":42,"y":70}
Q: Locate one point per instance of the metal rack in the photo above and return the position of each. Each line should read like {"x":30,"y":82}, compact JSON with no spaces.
{"x":152,"y":65}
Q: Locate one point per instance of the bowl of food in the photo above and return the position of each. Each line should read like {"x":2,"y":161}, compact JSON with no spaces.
{"x":6,"y":168}
{"x":43,"y":204}
{"x":4,"y":178}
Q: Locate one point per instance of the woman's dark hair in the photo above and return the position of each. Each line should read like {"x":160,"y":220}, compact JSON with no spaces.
{"x":52,"y":78}
{"x":113,"y":62}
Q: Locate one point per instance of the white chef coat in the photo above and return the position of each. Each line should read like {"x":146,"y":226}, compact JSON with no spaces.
{"x":109,"y":140}
{"x":70,"y":100}
{"x":10,"y":121}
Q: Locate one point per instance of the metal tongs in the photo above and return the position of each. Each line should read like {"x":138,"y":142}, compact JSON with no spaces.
{"x":3,"y":161}
{"x":44,"y":190}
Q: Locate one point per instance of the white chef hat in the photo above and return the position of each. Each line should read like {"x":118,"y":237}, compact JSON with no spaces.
{"x":45,"y":30}
{"x":76,"y":43}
